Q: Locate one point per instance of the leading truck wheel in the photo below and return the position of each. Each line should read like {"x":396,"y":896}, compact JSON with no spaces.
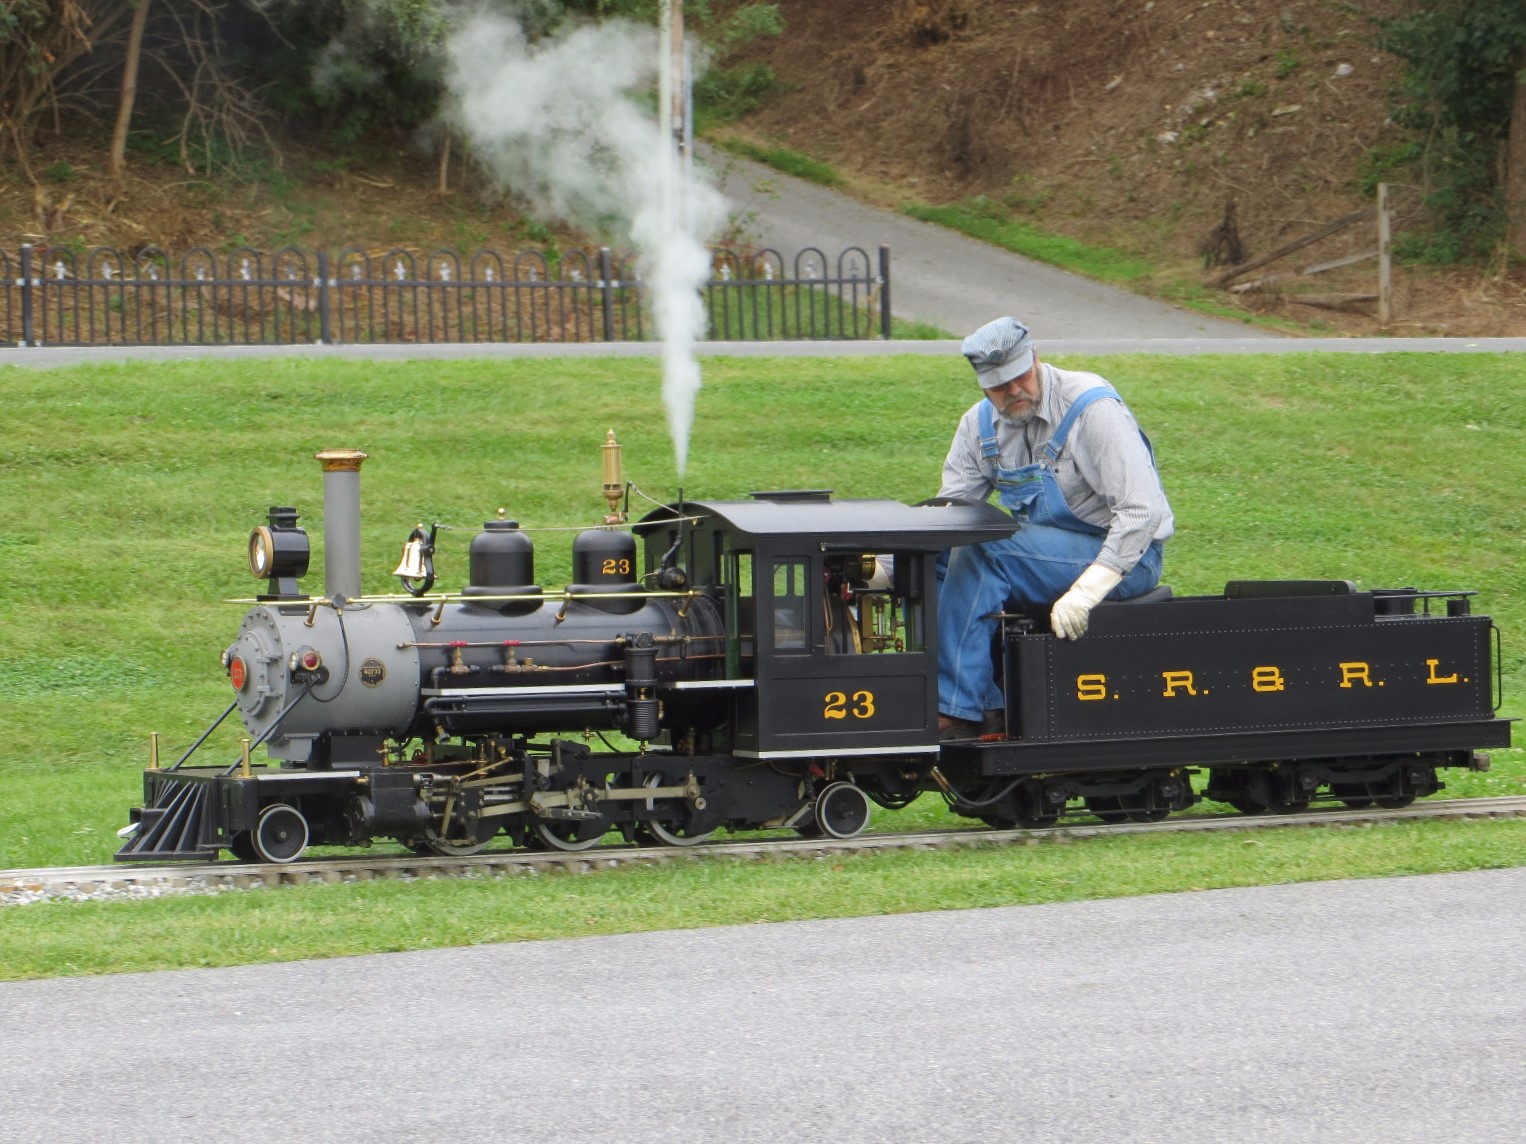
{"x":842,"y":810}
{"x":281,"y":834}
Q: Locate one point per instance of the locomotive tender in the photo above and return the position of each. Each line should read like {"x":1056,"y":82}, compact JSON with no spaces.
{"x":769,"y":672}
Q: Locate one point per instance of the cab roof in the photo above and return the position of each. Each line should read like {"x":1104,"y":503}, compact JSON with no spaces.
{"x":859,"y":524}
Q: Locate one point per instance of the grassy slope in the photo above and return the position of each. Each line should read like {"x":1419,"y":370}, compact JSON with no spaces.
{"x":126,"y":495}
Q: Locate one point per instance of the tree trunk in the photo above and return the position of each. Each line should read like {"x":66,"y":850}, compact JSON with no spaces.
{"x":1515,"y":164}
{"x":129,"y":88}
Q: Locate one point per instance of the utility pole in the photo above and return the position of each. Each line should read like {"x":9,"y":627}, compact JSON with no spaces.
{"x":672,"y":98}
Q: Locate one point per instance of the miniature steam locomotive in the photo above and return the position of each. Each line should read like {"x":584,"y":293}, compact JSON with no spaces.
{"x":772,"y":663}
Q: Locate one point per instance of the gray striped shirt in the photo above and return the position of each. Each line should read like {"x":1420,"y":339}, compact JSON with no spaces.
{"x":1104,"y":471}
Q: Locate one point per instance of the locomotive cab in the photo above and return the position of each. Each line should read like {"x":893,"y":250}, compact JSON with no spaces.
{"x":831,"y":641}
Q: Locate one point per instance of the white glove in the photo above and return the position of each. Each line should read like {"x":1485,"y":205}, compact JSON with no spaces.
{"x":1073,"y":610}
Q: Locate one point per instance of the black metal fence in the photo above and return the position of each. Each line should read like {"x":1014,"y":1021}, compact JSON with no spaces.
{"x":59,"y":296}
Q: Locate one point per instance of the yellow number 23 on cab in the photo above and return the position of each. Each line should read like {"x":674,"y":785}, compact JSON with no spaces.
{"x":840,"y":706}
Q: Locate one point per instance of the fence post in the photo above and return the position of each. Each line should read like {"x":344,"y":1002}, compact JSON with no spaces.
{"x":27,"y":333}
{"x":1385,"y":265}
{"x":325,"y":333}
{"x":607,"y":292}
{"x":885,"y":292}
{"x":325,"y":330}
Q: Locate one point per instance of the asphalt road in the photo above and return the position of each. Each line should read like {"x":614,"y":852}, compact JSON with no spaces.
{"x":942,"y":277}
{"x":1389,"y":1010}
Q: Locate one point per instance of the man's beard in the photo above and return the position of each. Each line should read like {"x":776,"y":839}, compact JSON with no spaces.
{"x":1017,"y":414}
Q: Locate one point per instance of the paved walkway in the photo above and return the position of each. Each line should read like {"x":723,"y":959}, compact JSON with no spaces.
{"x":1390,"y":1010}
{"x":1050,"y":347}
{"x":942,"y":277}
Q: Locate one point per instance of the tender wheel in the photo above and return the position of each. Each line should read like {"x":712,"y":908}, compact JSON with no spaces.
{"x":281,"y":834}
{"x":1270,"y":792}
{"x":1402,"y":789}
{"x":1358,"y":796}
{"x":1032,"y":815}
{"x":1279,"y":805}
{"x":1164,"y":794}
{"x":1001,"y":814}
{"x":679,"y":834}
{"x":570,"y":835}
{"x":1247,"y":805}
{"x":1138,"y":808}
{"x":842,"y":810}
{"x":1109,"y":808}
{"x":1287,"y":794}
{"x":1235,"y":790}
{"x":1038,"y":806}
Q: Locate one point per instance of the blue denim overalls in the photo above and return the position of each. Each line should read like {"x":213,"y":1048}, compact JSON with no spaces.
{"x":1036,"y":566}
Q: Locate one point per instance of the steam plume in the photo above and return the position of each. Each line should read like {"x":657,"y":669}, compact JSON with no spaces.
{"x":557,"y":122}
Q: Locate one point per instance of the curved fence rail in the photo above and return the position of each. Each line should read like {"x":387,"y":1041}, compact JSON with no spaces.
{"x":59,"y":296}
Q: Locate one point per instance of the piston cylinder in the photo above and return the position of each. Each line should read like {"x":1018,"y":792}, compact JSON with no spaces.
{"x":641,"y":721}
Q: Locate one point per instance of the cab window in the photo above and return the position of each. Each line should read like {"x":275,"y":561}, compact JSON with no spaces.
{"x":789,"y":605}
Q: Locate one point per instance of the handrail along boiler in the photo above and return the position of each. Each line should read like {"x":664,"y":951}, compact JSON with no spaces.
{"x":772,"y":663}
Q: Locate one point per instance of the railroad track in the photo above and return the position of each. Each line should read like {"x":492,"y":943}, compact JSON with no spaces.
{"x":129,"y":881}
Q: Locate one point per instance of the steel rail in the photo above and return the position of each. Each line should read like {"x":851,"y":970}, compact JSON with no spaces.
{"x":129,"y":881}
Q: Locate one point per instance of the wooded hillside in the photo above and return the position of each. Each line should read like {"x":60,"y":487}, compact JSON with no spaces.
{"x":1193,"y":133}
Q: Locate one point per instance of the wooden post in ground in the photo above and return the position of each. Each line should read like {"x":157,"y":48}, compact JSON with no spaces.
{"x":1385,"y":273}
{"x":1297,"y":244}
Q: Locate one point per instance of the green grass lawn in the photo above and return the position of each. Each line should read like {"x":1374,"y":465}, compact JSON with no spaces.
{"x":783,"y":159}
{"x":127,"y":494}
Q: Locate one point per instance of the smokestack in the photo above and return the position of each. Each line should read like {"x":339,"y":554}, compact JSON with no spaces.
{"x":341,"y":521}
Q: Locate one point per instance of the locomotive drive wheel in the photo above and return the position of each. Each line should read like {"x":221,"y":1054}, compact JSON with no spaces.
{"x":568,"y":835}
{"x":471,"y":841}
{"x":677,"y":832}
{"x":281,"y":834}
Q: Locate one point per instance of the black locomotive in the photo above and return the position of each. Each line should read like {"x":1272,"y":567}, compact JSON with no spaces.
{"x":772,"y":663}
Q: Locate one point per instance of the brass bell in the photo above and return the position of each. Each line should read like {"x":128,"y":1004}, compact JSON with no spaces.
{"x":415,"y":551}
{"x":411,"y":566}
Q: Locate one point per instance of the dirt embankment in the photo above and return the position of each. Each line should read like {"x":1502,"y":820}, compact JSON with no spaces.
{"x":1131,"y":123}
